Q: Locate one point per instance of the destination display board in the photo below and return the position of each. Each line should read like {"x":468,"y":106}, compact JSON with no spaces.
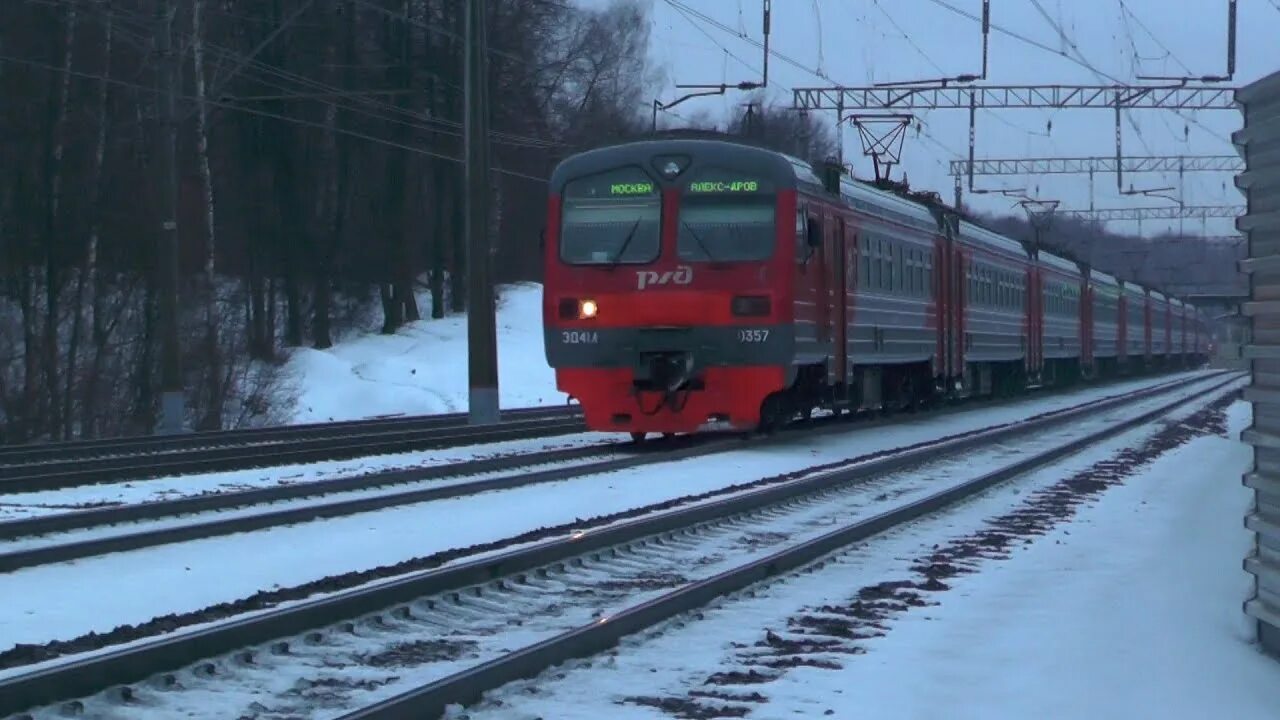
{"x":725,"y":182}
{"x":624,"y":182}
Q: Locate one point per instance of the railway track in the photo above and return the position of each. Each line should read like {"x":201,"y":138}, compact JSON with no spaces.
{"x":452,"y":631}
{"x":62,"y":465}
{"x":209,"y":516}
{"x":136,"y":526}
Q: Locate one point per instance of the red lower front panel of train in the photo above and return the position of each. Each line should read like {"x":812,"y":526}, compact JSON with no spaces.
{"x":616,"y":400}
{"x":670,"y":361}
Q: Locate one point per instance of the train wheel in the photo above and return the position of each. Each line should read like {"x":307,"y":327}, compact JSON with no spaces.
{"x":638,"y":437}
{"x":771,"y":414}
{"x":907,"y":394}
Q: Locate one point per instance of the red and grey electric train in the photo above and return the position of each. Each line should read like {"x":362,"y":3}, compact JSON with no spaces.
{"x":696,"y":283}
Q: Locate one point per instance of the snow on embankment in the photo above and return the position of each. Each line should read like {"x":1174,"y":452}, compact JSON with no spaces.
{"x":422,"y":369}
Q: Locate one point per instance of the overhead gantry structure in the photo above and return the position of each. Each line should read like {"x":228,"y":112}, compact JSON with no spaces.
{"x":897,"y":102}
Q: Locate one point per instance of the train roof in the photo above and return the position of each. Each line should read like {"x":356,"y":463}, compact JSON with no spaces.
{"x":1133,"y":287}
{"x":971,"y":231}
{"x":881,"y":203}
{"x":1059,"y":263}
{"x":1103,"y":278}
{"x":748,"y":158}
{"x":1157,"y":295}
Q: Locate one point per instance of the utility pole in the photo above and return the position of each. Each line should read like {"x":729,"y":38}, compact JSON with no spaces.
{"x":766,"y":13}
{"x":172,"y":397}
{"x":482,"y":335}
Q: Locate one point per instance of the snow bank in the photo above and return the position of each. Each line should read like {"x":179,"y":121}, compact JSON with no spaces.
{"x":1132,"y":610}
{"x":422,"y":369}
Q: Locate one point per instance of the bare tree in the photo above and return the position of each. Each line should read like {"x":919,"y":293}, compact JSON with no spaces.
{"x":212,"y":419}
{"x":89,"y":281}
{"x":53,"y":244}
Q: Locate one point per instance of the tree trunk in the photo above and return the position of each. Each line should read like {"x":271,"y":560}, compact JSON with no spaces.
{"x":458,"y":272}
{"x":289,"y":233}
{"x":434,"y":197}
{"x":53,"y":280}
{"x":270,"y":300}
{"x":326,"y":213}
{"x":406,"y":264}
{"x":73,"y":349}
{"x":391,"y":318}
{"x":327,"y":204}
{"x":214,"y":390}
{"x":440,"y":192}
{"x":396,"y":289}
{"x":289,"y":230}
{"x":293,"y":320}
{"x":260,"y":346}
{"x":88,"y":278}
{"x":30,"y":355}
{"x":145,"y":411}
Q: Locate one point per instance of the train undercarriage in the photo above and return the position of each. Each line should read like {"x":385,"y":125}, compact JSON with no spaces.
{"x":908,"y":388}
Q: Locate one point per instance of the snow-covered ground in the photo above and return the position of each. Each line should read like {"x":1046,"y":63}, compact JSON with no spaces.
{"x":1135,"y":613}
{"x":532,"y":613}
{"x":1131,"y":610}
{"x":422,"y":369}
{"x":44,"y":603}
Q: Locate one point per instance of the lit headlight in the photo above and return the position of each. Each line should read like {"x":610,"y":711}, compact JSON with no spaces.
{"x":587,"y":309}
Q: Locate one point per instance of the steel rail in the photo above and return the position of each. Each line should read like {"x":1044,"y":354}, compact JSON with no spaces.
{"x":93,"y":547}
{"x":218,"y":501}
{"x":84,"y":677}
{"x":94,"y":471}
{"x":468,"y":686}
{"x":75,"y":449}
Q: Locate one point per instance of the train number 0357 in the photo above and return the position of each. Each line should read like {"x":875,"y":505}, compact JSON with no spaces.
{"x":753,"y":336}
{"x":580,"y":337}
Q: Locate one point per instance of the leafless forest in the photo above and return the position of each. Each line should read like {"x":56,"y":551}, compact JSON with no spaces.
{"x":316,"y":144}
{"x":317,"y":147}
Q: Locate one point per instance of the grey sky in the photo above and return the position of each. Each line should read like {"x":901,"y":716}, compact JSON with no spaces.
{"x":861,"y":42}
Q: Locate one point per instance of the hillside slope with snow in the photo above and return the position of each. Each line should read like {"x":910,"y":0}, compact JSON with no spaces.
{"x":422,"y":369}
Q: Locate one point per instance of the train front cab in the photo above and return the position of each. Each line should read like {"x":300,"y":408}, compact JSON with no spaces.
{"x":667,"y":304}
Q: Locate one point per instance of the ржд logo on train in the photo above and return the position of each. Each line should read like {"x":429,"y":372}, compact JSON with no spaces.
{"x":682,"y":275}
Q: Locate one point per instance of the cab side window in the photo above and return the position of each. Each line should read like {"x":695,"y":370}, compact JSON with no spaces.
{"x":802,"y":234}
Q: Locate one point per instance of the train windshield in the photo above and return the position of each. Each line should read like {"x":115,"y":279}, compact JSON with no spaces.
{"x":726,"y":218}
{"x":610,"y":219}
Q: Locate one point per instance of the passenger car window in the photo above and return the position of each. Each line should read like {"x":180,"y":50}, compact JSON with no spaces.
{"x":864,"y":262}
{"x":722,"y":231}
{"x":610,"y":218}
{"x":726,"y":215}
